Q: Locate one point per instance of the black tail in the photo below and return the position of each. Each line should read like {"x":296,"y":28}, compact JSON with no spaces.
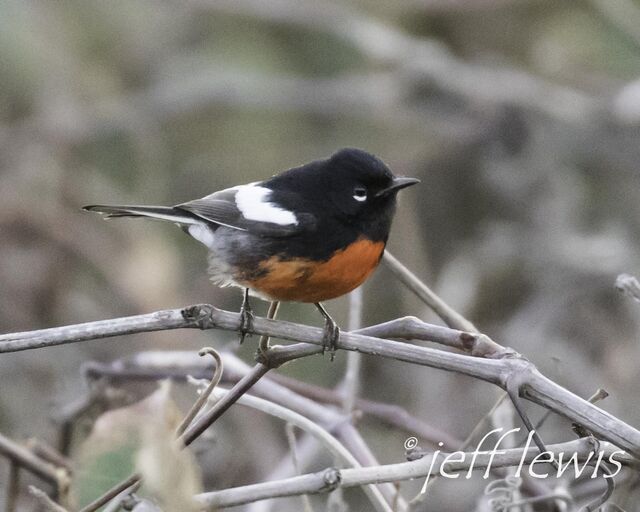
{"x":167,"y":213}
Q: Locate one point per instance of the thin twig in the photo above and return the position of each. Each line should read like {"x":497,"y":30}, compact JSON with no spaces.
{"x":49,"y":454}
{"x":449,"y":315}
{"x":390,"y":414}
{"x":25,"y":459}
{"x":119,"y":500}
{"x":112,"y":493}
{"x":202,"y":399}
{"x":312,"y":428}
{"x":291,"y":439}
{"x":207,"y":419}
{"x":463,"y":446}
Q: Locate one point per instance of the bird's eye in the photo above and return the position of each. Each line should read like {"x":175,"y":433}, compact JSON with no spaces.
{"x":360,"y":194}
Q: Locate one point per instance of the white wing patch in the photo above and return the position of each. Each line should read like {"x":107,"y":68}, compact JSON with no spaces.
{"x":253,"y":202}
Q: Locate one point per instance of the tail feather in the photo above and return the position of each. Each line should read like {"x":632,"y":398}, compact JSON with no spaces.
{"x":166,"y":213}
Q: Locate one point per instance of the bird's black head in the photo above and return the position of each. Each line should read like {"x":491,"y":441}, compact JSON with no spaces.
{"x":351,"y":189}
{"x":361,"y":186}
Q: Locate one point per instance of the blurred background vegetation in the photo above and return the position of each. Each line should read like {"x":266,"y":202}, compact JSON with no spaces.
{"x":521,"y":118}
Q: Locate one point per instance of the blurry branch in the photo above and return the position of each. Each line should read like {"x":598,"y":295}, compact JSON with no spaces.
{"x":118,"y":502}
{"x":179,"y":364}
{"x":81,"y":244}
{"x":377,"y":96}
{"x":455,"y":320}
{"x":389,"y":414}
{"x":450,"y":316}
{"x":126,"y":486}
{"x":46,"y":503}
{"x":628,"y":285}
{"x":383,"y":95}
{"x":22,"y":458}
{"x":422,"y":61}
{"x":95,"y":403}
{"x":49,"y":454}
{"x":312,"y":428}
{"x":252,"y":378}
{"x":25,"y":459}
{"x":514,"y":372}
{"x":293,"y":449}
{"x":159,"y":365}
{"x":421,"y":468}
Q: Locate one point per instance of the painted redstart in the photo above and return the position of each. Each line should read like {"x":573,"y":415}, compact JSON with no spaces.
{"x":309,"y":234}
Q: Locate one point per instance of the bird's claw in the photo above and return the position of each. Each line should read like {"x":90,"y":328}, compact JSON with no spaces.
{"x":246,"y":319}
{"x":330,"y":338}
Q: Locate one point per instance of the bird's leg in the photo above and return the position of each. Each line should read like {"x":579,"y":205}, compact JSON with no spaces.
{"x":263,"y":346}
{"x":331,"y":332}
{"x":246,"y":317}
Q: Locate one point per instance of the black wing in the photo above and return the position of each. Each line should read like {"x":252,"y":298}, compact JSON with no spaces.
{"x":267,"y":218}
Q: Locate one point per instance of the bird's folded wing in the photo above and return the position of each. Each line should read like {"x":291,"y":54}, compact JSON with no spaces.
{"x":249,"y":208}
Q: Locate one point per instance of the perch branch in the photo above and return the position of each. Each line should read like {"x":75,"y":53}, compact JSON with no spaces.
{"x":534,"y":386}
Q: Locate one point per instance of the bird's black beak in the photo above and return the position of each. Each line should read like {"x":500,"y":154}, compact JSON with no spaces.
{"x":398,"y":183}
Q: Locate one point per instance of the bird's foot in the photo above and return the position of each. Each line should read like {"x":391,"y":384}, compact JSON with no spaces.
{"x":331,"y":333}
{"x":246,"y":317}
{"x":330,"y":338}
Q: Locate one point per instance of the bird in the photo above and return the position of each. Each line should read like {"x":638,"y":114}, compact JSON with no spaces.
{"x":309,"y":234}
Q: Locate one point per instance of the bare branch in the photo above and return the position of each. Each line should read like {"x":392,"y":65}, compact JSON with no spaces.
{"x":533,"y":385}
{"x":202,"y":423}
{"x":293,"y":448}
{"x":49,"y":454}
{"x":47,"y":503}
{"x":390,"y":414}
{"x":449,"y":315}
{"x":27,"y":460}
{"x":421,"y":468}
{"x":309,"y":426}
{"x":112,"y":493}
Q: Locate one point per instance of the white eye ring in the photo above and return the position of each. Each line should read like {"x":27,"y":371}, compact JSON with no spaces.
{"x":360,"y":194}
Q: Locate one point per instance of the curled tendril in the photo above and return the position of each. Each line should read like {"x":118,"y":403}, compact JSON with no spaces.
{"x":202,"y":399}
